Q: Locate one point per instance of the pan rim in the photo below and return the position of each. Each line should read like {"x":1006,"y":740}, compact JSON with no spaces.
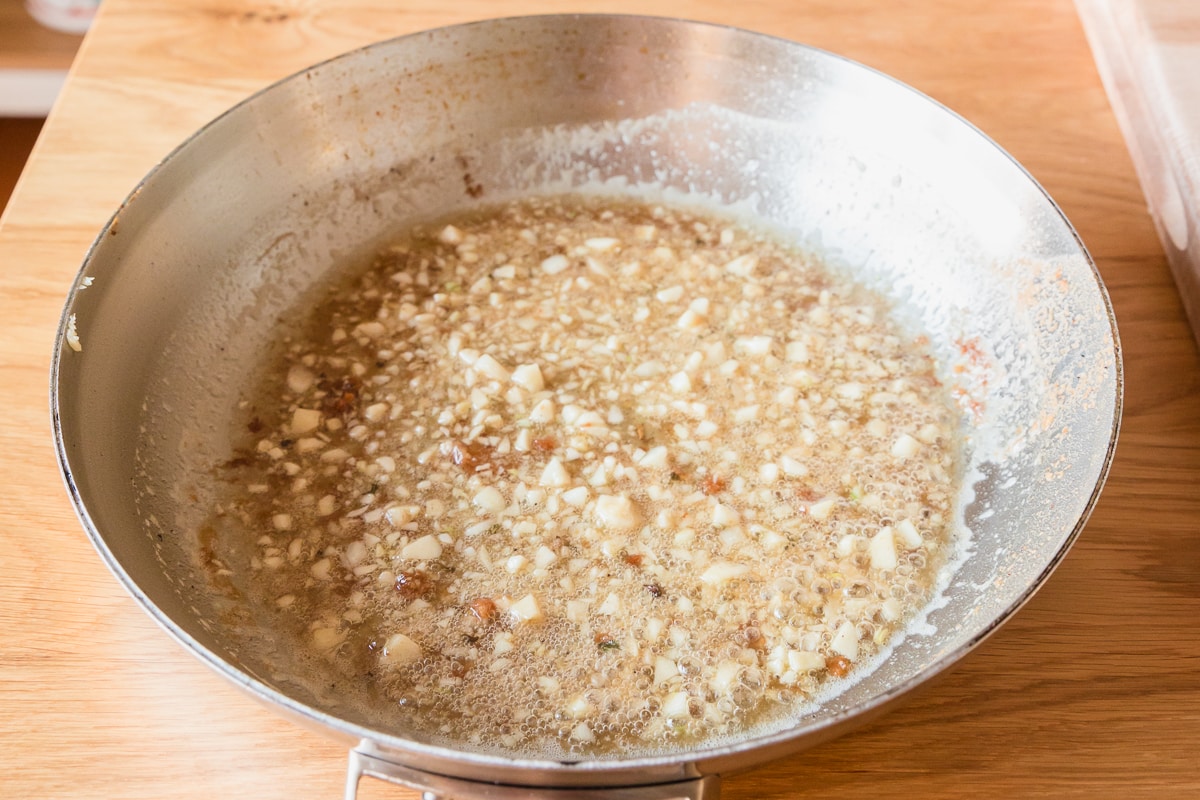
{"x":616,"y":771}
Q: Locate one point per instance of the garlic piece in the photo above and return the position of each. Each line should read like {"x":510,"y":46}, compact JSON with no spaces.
{"x":845,"y":641}
{"x":680,"y":383}
{"x":822,"y":508}
{"x":555,"y":264}
{"x":752,"y":345}
{"x":529,"y":377}
{"x":905,"y":446}
{"x":671,"y":294}
{"x":582,"y":733}
{"x":804,"y":661}
{"x":722,"y":572}
{"x":727,"y":672}
{"x":576,"y":497}
{"x":555,"y":474}
{"x":617,"y":512}
{"x":490,"y":367}
{"x":526,"y":610}
{"x":544,"y":557}
{"x":908,"y":534}
{"x":489,"y":500}
{"x":304,"y":420}
{"x":792,"y":468}
{"x":676,"y":705}
{"x":542,"y":412}
{"x":724,"y":516}
{"x":300,"y":378}
{"x":397,"y":516}
{"x":882,"y":549}
{"x":655,"y":458}
{"x":399,"y":650}
{"x":611,"y":605}
{"x":664,"y":670}
{"x":601,"y":243}
{"x":742,"y":266}
{"x":423,"y":549}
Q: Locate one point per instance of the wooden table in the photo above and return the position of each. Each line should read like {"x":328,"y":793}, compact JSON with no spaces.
{"x":1093,"y":690}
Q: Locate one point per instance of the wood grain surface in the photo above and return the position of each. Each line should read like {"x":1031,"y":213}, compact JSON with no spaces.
{"x":1092,"y":690}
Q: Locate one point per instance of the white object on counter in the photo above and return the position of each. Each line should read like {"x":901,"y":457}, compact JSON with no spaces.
{"x":1148,"y":54}
{"x":68,"y":16}
{"x":29,"y":92}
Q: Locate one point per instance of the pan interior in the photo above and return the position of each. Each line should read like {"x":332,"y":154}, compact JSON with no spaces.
{"x":233,"y":232}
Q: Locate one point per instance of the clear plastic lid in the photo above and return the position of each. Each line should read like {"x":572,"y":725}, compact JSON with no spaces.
{"x":1148,"y":54}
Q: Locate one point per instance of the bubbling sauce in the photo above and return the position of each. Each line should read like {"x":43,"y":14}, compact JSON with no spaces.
{"x":574,"y":478}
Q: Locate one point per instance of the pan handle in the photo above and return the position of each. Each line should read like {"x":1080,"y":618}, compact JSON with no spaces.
{"x":441,"y":787}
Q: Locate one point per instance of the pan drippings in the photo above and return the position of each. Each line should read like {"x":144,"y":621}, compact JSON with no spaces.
{"x":571,"y":478}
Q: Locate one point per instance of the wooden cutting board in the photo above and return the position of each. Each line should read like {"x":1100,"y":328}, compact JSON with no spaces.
{"x":1093,"y":690}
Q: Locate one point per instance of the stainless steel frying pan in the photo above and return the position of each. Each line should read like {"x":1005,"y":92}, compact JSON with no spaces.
{"x":231,"y":230}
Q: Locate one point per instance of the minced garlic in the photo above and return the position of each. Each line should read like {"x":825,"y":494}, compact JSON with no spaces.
{"x":576,"y":477}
